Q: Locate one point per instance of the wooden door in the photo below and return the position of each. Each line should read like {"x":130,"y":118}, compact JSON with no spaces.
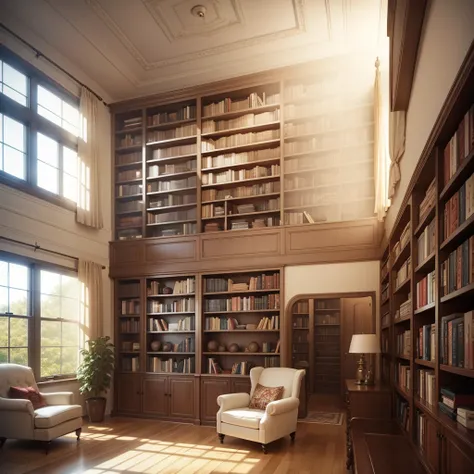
{"x":458,"y":459}
{"x":155,"y":395}
{"x":181,"y":399}
{"x":432,"y":445}
{"x":357,"y":318}
{"x":211,"y":388}
{"x":128,"y":393}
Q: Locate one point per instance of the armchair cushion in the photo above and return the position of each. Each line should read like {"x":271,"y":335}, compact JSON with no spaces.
{"x":59,"y":398}
{"x":245,"y":417}
{"x":279,"y":407}
{"x":53,"y":415}
{"x":28,"y":393}
{"x":262,"y":396}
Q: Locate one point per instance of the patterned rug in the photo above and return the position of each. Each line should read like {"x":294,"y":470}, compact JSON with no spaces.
{"x":323,"y":418}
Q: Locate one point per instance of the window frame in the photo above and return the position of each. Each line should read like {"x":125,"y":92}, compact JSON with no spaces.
{"x":34,"y":123}
{"x":34,"y":319}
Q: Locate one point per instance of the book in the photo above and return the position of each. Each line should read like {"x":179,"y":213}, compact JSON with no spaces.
{"x":466,"y":413}
{"x":458,"y":398}
{"x":467,"y":423}
{"x":447,"y":411}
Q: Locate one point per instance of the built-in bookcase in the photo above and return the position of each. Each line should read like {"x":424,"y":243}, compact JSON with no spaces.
{"x":129,"y":325}
{"x":241,"y":317}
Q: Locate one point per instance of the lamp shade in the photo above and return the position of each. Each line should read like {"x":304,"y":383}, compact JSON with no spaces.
{"x":364,"y":344}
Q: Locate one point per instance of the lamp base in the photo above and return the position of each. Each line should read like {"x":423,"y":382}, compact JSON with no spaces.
{"x":360,"y":373}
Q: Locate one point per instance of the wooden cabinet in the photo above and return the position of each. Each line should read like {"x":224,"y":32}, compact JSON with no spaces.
{"x":211,"y":388}
{"x":128,"y":389}
{"x":457,"y":457}
{"x":181,"y":396}
{"x":431,"y":452}
{"x":155,"y":395}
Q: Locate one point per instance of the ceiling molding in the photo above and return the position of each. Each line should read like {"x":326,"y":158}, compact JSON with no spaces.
{"x":300,"y":27}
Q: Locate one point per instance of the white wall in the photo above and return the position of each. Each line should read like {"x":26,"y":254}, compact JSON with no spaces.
{"x":447,"y":34}
{"x":29,"y":219}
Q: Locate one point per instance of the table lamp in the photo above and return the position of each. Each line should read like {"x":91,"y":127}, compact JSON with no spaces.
{"x":364,"y":344}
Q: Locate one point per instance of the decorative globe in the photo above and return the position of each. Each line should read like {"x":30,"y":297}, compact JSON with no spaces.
{"x":253,"y":347}
{"x":234,"y":347}
{"x":212,"y":346}
{"x":167,"y":347}
{"x":155,"y":346}
{"x":221,"y":349}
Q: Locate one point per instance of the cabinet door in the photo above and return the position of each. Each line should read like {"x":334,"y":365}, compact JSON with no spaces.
{"x":458,"y":458}
{"x":241,"y":385}
{"x":211,"y":388}
{"x":181,"y":397}
{"x":155,"y":395}
{"x":432,"y":446}
{"x":128,"y":393}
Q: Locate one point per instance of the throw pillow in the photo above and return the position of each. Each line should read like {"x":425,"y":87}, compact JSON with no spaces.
{"x":262,"y":396}
{"x":28,"y":393}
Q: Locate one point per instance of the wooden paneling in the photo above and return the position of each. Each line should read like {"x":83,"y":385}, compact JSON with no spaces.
{"x":155,"y":395}
{"x":288,"y":245}
{"x":181,"y":392}
{"x":211,"y":388}
{"x":405,"y":22}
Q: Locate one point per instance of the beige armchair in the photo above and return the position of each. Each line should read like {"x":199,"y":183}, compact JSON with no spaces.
{"x":20,"y":421}
{"x":280,"y":417}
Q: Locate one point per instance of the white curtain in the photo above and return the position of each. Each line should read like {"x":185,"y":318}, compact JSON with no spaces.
{"x":397,"y":131}
{"x":89,"y":210}
{"x":92,"y":303}
{"x":381,"y":143}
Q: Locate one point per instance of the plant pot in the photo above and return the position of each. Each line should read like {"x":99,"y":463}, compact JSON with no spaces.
{"x":96,"y":409}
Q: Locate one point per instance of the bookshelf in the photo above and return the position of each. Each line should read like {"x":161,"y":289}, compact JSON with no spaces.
{"x":241,"y":316}
{"x":287,"y":150}
{"x":431,"y":300}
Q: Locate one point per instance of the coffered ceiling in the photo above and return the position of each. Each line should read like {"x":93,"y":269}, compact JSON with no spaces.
{"x":132,"y":48}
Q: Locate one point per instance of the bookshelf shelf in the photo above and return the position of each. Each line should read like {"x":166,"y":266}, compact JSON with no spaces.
{"x":404,"y":285}
{"x":426,"y":220}
{"x":426,"y":265}
{"x":242,"y":292}
{"x":248,"y":128}
{"x":426,"y":363}
{"x":167,"y":223}
{"x":171,"y":175}
{"x":238,"y":183}
{"x":402,"y":257}
{"x":426,"y":407}
{"x":169,"y":159}
{"x":244,"y":311}
{"x":467,"y":291}
{"x":402,"y":320}
{"x":237,"y":113}
{"x":243,"y":147}
{"x":406,"y":395}
{"x":168,"y":208}
{"x":170,"y":124}
{"x":459,"y":235}
{"x":171,"y":141}
{"x":248,"y":164}
{"x":426,"y":308}
{"x":171,"y":295}
{"x":458,"y":370}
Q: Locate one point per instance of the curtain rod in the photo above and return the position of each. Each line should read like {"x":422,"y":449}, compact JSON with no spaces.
{"x":36,"y":247}
{"x":39,"y":55}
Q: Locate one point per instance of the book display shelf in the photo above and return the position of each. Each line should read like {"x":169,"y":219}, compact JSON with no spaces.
{"x":427,"y":325}
{"x":292,"y":151}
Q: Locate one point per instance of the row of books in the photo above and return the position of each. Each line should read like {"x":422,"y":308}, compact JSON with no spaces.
{"x":129,"y":158}
{"x":172,"y":151}
{"x":403,"y":376}
{"x":189,"y":215}
{"x":458,"y":405}
{"x":131,"y":364}
{"x":243,"y":303}
{"x":457,"y":340}
{"x":426,"y":342}
{"x":157,"y":202}
{"x":427,"y":386}
{"x":155,"y":171}
{"x":132,"y":122}
{"x":241,"y":191}
{"x":301,"y":307}
{"x":459,"y":208}
{"x":426,"y":290}
{"x":300,"y":322}
{"x":253,"y":100}
{"x":385,"y":292}
{"x":402,"y":412}
{"x":131,"y":325}
{"x":186,"y":228}
{"x":186,"y":112}
{"x":405,"y":310}
{"x":403,"y":273}
{"x":128,"y":175}
{"x":172,"y":185}
{"x":129,"y":140}
{"x":130,"y":307}
{"x":128,"y":189}
{"x":402,"y":242}
{"x":232,"y":176}
{"x":178,"y":287}
{"x":124,"y":222}
{"x":160,"y":324}
{"x":426,"y":242}
{"x":459,"y":146}
{"x":183,"y":305}
{"x":239,"y":139}
{"x":260,"y":282}
{"x":247,"y":120}
{"x":129,"y":206}
{"x":230,"y":159}
{"x":385,"y":320}
{"x":170,"y":133}
{"x":403,"y":343}
{"x":457,"y":271}
{"x":428,"y":201}
{"x":171,"y":365}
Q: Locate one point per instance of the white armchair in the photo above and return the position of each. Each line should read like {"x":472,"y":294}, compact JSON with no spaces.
{"x":280,"y":417}
{"x":20,"y":421}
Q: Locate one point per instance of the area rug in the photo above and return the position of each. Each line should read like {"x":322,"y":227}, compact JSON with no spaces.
{"x":323,"y":418}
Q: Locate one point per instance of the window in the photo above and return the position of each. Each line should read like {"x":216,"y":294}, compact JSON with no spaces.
{"x":59,"y":324}
{"x":14,"y":312}
{"x":39,"y":128}
{"x":39,"y":328}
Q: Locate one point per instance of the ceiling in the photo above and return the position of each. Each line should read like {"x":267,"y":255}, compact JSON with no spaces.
{"x":131,"y":48}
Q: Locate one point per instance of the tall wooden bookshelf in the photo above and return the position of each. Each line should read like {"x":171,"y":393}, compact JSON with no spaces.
{"x":431,"y":305}
{"x":287,"y":150}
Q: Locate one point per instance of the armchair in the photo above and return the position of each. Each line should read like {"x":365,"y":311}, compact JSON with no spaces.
{"x":279,"y":419}
{"x":21,"y":421}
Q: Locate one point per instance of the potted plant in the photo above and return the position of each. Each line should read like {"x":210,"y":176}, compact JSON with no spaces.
{"x":95,"y":375}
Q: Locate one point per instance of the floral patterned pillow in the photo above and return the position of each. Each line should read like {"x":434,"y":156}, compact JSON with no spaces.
{"x":28,"y":393}
{"x":262,"y":396}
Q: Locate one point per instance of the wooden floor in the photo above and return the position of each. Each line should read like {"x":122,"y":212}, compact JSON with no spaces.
{"x":135,"y":446}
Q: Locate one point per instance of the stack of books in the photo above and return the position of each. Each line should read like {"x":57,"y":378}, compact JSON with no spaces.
{"x":458,"y":406}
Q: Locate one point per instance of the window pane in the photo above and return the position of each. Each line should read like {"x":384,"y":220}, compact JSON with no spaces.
{"x":70,"y":286}
{"x":49,"y":115}
{"x":69,"y":161}
{"x":69,"y":187}
{"x":48,"y":177}
{"x":69,"y":360}
{"x":14,"y":95}
{"x":3,"y":355}
{"x":48,"y":150}
{"x":19,"y":356}
{"x":18,"y":276}
{"x":19,"y":302}
{"x":18,"y":332}
{"x":70,"y":308}
{"x":50,"y":306}
{"x":13,"y":133}
{"x":50,"y":283}
{"x":14,"y":162}
{"x":49,"y":101}
{"x":70,"y":334}
{"x":3,"y":331}
{"x":50,"y":361}
{"x":3,"y":299}
{"x":3,"y":273}
{"x":15,"y":84}
{"x":50,"y":333}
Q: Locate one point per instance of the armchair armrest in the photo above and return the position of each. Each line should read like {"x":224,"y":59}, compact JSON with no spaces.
{"x":282,"y":406}
{"x":13,"y":404}
{"x":59,"y":398}
{"x":229,"y":401}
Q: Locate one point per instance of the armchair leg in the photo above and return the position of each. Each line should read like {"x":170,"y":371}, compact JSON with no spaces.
{"x":78,"y":433}
{"x":264,"y":449}
{"x":47,"y":445}
{"x":292,"y":436}
{"x":2,"y":442}
{"x":221,"y":438}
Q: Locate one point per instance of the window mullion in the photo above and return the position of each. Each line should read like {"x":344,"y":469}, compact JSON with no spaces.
{"x":32,"y":151}
{"x":61,"y":168}
{"x":35,"y":346}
